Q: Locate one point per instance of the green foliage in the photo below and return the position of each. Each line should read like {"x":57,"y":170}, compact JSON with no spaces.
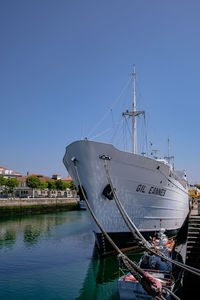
{"x":51,"y":185}
{"x":11,"y":183}
{"x":2,"y":180}
{"x":61,"y":185}
{"x":33,"y":182}
{"x":71,"y":185}
{"x":43,"y":185}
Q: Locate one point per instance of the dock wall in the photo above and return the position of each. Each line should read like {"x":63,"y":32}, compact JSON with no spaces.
{"x":18,"y":206}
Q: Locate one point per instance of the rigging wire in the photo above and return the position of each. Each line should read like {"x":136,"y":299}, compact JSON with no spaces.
{"x":124,"y":137}
{"x":103,"y":132}
{"x":108,"y":111}
{"x":116,"y":130}
{"x":146,"y":135}
{"x":143,"y":137}
{"x":125,"y":141}
{"x":127,"y":125}
{"x":142,"y":133}
{"x":112,"y":116}
{"x":127,"y":131}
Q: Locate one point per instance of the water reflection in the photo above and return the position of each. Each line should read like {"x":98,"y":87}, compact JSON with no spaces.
{"x":102,"y":276}
{"x":30,"y":228}
{"x":103,"y":273}
{"x":31,"y":235}
{"x":7,"y":238}
{"x":101,"y":279}
{"x":52,"y":256}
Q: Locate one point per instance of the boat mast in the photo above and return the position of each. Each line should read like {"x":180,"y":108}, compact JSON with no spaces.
{"x":134,"y":114}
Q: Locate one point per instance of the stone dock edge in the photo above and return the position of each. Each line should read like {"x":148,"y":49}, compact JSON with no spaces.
{"x":19,"y":206}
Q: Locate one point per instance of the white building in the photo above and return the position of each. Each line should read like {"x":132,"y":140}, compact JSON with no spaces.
{"x":9,"y":173}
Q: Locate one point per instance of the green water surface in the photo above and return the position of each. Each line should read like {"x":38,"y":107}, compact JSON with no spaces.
{"x":52,"y":256}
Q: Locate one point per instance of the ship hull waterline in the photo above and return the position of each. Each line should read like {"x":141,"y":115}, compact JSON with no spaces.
{"x":150,"y":195}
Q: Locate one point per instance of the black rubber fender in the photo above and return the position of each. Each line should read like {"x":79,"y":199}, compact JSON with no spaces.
{"x":107,"y":192}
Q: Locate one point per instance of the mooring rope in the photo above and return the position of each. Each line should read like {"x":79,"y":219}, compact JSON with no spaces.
{"x":171,"y":293}
{"x":122,"y":211}
{"x":144,"y":241}
{"x":140,"y":271}
{"x":134,"y":269}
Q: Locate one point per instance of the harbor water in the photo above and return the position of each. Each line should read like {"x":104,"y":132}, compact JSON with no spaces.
{"x":52,"y":256}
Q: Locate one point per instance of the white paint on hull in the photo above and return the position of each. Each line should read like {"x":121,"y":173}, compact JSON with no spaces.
{"x":127,"y":172}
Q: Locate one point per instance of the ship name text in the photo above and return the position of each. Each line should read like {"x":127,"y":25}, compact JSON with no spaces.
{"x":152,"y":190}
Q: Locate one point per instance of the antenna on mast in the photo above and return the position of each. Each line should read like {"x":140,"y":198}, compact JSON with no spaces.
{"x":134,"y":114}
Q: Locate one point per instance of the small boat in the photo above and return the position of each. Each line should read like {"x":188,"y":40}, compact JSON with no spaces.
{"x":82,"y":205}
{"x":163,"y":273}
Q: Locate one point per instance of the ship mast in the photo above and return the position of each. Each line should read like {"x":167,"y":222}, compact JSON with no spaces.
{"x":134,"y":132}
{"x":133,"y":114}
{"x":169,"y":157}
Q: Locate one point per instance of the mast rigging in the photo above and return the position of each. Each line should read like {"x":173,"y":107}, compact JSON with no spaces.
{"x":134,"y":114}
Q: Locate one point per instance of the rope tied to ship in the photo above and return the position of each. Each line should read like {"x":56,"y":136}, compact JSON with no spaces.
{"x":134,"y":230}
{"x":151,"y":285}
{"x":133,"y":268}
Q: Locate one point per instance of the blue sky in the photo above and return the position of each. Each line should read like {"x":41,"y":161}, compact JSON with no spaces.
{"x":63,"y":65}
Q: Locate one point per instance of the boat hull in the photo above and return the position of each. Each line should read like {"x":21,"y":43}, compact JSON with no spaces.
{"x":149,"y":194}
{"x":124,"y":240}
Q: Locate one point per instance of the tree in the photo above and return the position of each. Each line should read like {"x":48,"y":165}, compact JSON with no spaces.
{"x":61,"y":185}
{"x":71,"y":185}
{"x":43,"y":185}
{"x":2,"y":180}
{"x":33,"y":182}
{"x":11,"y":183}
{"x":51,"y":185}
{"x":3,"y":189}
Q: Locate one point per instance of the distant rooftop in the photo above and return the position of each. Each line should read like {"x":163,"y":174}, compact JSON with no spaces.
{"x":3,"y":168}
{"x":45,"y":178}
{"x":67,"y":178}
{"x":40,"y":176}
{"x":8,"y":172}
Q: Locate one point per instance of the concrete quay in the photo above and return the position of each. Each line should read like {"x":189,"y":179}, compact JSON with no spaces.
{"x":191,"y":282}
{"x":16,"y":206}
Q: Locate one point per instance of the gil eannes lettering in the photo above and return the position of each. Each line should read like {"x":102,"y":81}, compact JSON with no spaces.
{"x":152,"y":190}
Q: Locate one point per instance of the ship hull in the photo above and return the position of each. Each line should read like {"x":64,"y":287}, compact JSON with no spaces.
{"x":124,"y":240}
{"x":152,"y":197}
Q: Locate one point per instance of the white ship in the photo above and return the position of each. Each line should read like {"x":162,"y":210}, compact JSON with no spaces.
{"x":151,"y":191}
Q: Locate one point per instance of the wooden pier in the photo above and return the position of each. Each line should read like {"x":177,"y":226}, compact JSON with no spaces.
{"x":191,"y":282}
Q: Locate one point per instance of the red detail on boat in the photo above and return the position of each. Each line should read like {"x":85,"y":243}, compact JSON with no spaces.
{"x":130,"y":278}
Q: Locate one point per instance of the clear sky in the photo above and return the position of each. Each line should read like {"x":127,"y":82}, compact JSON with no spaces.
{"x":64,"y":63}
